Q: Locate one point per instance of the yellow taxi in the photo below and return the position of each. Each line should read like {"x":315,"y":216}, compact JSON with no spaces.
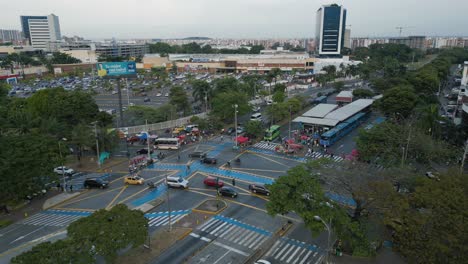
{"x":134,"y":180}
{"x":177,"y":130}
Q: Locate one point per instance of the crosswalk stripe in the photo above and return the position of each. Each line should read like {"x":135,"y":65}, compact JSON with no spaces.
{"x":154,"y":220}
{"x":273,"y":247}
{"x":217,"y":228}
{"x":293,"y":254}
{"x":305,"y":257}
{"x":287,"y":252}
{"x":257,"y":244}
{"x":250,"y":239}
{"x":233,"y":234}
{"x":285,"y":246}
{"x":227,"y":230}
{"x":160,"y":220}
{"x":244,"y":237}
{"x":207,"y":226}
{"x":299,"y":256}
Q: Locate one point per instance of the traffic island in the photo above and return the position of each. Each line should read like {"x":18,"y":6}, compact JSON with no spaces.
{"x":159,"y":241}
{"x":211,"y":206}
{"x":201,"y":213}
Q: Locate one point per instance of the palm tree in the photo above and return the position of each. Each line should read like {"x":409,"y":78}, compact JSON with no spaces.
{"x":202,"y":92}
{"x":82,"y":137}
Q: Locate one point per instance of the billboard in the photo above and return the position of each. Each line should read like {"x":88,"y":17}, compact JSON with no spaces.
{"x":116,"y":68}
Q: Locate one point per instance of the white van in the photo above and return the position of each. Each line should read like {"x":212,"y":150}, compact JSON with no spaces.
{"x":177,"y":182}
{"x":256,"y":117}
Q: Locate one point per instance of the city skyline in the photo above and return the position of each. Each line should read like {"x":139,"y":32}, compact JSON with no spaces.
{"x":245,"y":19}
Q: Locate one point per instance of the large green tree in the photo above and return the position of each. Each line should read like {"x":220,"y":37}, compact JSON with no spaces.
{"x":105,"y":232}
{"x":223,"y":105}
{"x":178,"y":97}
{"x":400,"y":100}
{"x":60,"y":252}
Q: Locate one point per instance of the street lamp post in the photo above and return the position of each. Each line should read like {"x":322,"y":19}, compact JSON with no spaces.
{"x":328,"y":227}
{"x":168,"y":207}
{"x":97,"y":144}
{"x":289,"y":136}
{"x":235,"y":122}
{"x":61,"y":159}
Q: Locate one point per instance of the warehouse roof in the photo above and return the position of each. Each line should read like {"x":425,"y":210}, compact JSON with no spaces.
{"x":316,"y":121}
{"x":347,"y":111}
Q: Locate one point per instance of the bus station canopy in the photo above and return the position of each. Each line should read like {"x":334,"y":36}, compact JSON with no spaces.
{"x":347,"y":111}
{"x":316,"y":121}
{"x":320,"y":111}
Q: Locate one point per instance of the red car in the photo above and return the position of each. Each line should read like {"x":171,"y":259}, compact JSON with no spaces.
{"x":210,"y":181}
{"x":133,"y":139}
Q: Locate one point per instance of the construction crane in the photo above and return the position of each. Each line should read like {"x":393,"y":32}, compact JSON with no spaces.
{"x":401,"y":29}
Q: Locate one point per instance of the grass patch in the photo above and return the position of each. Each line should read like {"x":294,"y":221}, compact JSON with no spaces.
{"x":5,"y":222}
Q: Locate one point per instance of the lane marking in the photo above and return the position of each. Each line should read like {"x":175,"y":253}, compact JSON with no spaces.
{"x":231,"y":248}
{"x":272,"y":160}
{"x":23,"y":236}
{"x":240,"y":168}
{"x":135,"y":194}
{"x":116,"y":197}
{"x":220,"y":258}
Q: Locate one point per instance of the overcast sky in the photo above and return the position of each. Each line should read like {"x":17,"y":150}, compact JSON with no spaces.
{"x":98,"y":19}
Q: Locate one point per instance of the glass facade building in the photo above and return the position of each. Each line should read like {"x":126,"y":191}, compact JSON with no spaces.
{"x":330,"y":29}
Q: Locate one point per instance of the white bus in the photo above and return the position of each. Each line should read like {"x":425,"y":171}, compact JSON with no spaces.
{"x":167,"y":143}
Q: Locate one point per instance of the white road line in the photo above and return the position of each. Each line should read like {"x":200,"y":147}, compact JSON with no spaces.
{"x":287,"y":252}
{"x":260,"y":242}
{"x":231,"y":236}
{"x":205,"y":239}
{"x":195,"y":235}
{"x":247,"y":232}
{"x":255,"y":242}
{"x":152,"y":221}
{"x":163,"y":222}
{"x":305,"y":257}
{"x":207,"y":226}
{"x":231,"y":248}
{"x":227,"y":231}
{"x":293,"y":254}
{"x":249,"y":238}
{"x":227,"y":252}
{"x":299,"y":256}
{"x":282,"y":250}
{"x":271,"y":249}
{"x":217,"y":228}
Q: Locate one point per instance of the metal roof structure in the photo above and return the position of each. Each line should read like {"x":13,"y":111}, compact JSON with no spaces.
{"x":345,"y":94}
{"x":320,"y":111}
{"x":316,"y":121}
{"x":347,"y":111}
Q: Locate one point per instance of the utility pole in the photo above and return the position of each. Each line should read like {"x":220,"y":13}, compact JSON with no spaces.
{"x":168,"y":206}
{"x":462,"y":166}
{"x":206,"y":101}
{"x":148,"y":140}
{"x":128,"y":96}
{"x":120,"y":103}
{"x":289,"y":136}
{"x":97,"y":144}
{"x":235,"y":122}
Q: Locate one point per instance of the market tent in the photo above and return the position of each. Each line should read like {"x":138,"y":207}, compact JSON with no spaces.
{"x":242,"y":139}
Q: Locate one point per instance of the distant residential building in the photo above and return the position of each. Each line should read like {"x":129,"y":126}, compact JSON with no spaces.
{"x":366,"y":42}
{"x":414,"y":42}
{"x":330,"y":30}
{"x":464,"y":81}
{"x":13,"y":36}
{"x":40,"y":30}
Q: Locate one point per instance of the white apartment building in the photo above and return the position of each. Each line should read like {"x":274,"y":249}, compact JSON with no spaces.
{"x":40,"y":30}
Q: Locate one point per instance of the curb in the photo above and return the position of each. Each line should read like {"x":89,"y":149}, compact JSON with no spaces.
{"x":76,"y":194}
{"x":185,"y":234}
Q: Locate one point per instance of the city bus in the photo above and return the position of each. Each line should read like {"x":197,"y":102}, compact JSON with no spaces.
{"x":167,"y":143}
{"x":272,"y":133}
{"x":342,"y":129}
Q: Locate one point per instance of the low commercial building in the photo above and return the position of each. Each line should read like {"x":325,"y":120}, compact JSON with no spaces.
{"x":120,"y":49}
{"x":85,"y":56}
{"x":155,"y":61}
{"x":344,"y":97}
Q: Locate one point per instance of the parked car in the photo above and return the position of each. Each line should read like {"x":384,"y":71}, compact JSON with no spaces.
{"x":230,"y":130}
{"x":177,"y":182}
{"x":147,"y":99}
{"x":211,"y":181}
{"x":227,"y":191}
{"x":95,"y":183}
{"x":166,"y":94}
{"x":115,"y":92}
{"x":197,"y":154}
{"x":143,"y":151}
{"x":240,"y":130}
{"x":208,"y":160}
{"x":134,"y":180}
{"x":158,"y":94}
{"x":133,"y":139}
{"x":259,"y":188}
{"x":64,"y":170}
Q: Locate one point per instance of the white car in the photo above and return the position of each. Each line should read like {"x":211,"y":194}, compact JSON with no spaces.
{"x":158,"y":95}
{"x":166,"y":94}
{"x":177,"y":182}
{"x":269,"y":102}
{"x":64,"y":170}
{"x":115,"y":92}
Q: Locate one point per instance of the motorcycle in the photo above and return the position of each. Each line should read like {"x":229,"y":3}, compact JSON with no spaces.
{"x":151,"y":185}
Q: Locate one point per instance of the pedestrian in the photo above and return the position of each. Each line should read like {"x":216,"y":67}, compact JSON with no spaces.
{"x":331,"y":155}
{"x":178,"y":156}
{"x":188,"y":167}
{"x":233,"y":181}
{"x":309,"y":151}
{"x":222,"y":138}
{"x":71,"y":187}
{"x":228,"y":164}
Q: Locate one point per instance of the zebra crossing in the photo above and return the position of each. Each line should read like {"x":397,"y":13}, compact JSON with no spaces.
{"x":55,"y":218}
{"x":228,"y":229}
{"x":318,"y":155}
{"x":266,"y":145}
{"x":162,"y":218}
{"x":63,"y":218}
{"x":248,"y":238}
{"x":286,"y":250}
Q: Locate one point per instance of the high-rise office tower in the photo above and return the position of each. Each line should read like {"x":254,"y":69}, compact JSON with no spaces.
{"x":40,"y":30}
{"x":330,"y":29}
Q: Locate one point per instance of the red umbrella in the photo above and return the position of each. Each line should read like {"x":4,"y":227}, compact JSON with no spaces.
{"x":241,"y":139}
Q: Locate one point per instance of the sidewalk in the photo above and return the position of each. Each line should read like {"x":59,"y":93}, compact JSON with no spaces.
{"x":89,"y":164}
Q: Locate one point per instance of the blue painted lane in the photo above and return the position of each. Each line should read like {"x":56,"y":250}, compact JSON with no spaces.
{"x":157,"y":214}
{"x":63,"y":212}
{"x":243,"y":225}
{"x":154,"y":194}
